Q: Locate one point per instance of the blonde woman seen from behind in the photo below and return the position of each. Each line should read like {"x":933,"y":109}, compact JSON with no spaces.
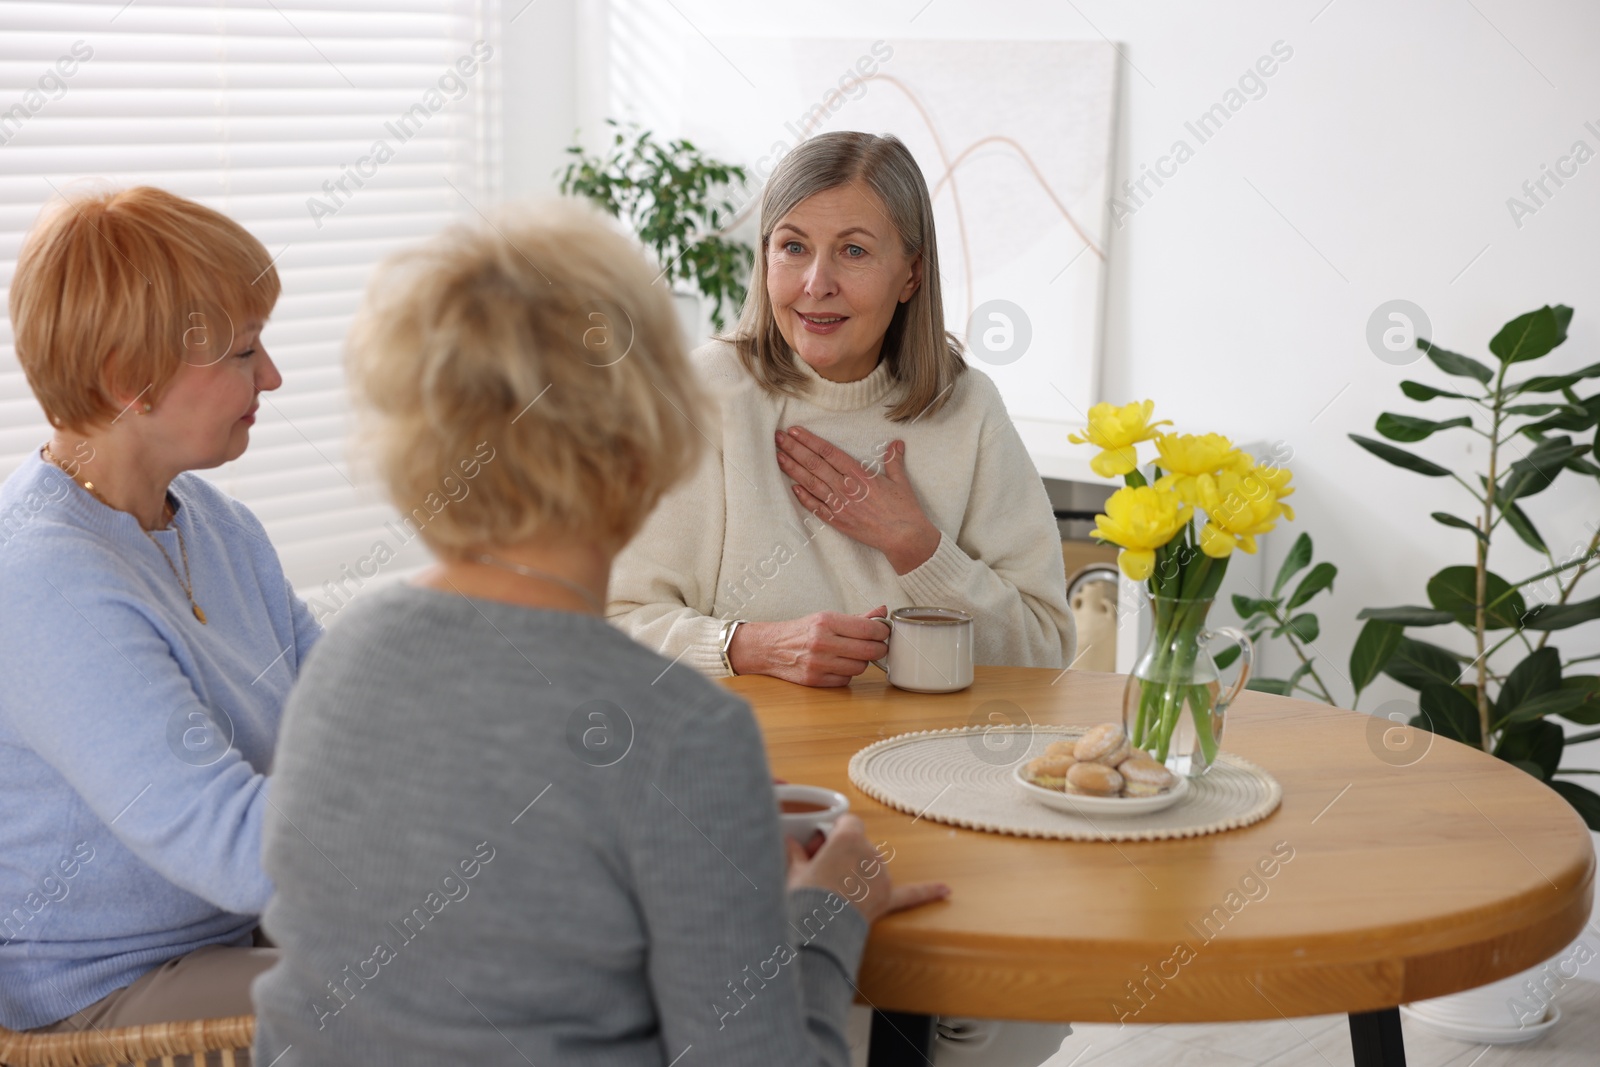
{"x":562,"y":842}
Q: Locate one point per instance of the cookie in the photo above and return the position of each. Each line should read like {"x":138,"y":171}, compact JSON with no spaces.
{"x":1049,"y":771}
{"x":1144,"y":777}
{"x":1106,"y":743}
{"x":1093,"y":779}
{"x":1062,"y":748}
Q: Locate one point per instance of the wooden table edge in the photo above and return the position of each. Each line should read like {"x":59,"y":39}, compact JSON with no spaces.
{"x":1006,"y":977}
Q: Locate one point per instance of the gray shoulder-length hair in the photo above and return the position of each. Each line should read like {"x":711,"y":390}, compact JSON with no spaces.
{"x":919,"y":350}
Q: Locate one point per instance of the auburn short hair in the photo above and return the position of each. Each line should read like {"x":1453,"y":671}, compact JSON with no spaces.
{"x":532,"y":352}
{"x":115,"y":289}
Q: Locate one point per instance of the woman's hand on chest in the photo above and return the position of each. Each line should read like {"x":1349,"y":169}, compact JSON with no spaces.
{"x":878,"y":508}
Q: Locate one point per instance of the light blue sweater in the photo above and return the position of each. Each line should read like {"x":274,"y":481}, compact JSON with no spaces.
{"x":130,"y":824}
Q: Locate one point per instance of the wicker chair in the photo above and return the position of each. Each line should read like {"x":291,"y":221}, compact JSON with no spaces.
{"x":213,"y":1042}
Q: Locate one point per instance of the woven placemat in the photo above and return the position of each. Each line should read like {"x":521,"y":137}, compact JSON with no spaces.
{"x":963,"y":777}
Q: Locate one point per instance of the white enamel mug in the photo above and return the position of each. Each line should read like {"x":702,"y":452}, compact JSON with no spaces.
{"x":930,"y":650}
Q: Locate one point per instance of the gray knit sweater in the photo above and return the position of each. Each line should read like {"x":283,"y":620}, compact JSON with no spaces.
{"x":504,"y":835}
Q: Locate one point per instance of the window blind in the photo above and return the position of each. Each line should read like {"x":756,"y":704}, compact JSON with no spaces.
{"x":335,"y":132}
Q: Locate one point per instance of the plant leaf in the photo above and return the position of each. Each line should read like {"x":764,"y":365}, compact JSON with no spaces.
{"x":1320,"y":578}
{"x":1532,"y":770}
{"x":1537,"y":742}
{"x":1299,"y":673}
{"x":1276,"y":686}
{"x":1447,"y":519}
{"x":1535,"y":471}
{"x":1449,"y":712}
{"x":1532,"y":409}
{"x":1583,"y":466}
{"x":1411,"y":428}
{"x":1305,"y":627}
{"x":1454,"y":589}
{"x":1225,"y":658}
{"x":1550,"y":383}
{"x":1418,"y":664}
{"x":1556,"y":702}
{"x":1538,"y":673}
{"x":1589,"y":713}
{"x":1453,"y":363}
{"x":1532,"y":335}
{"x":1584,"y":802}
{"x":1408,"y":615}
{"x":1374,"y":645}
{"x":1298,"y":558}
{"x":1569,"y":417}
{"x":1518,"y":520}
{"x":1419,"y":391}
{"x":1561,"y":616}
{"x":1247,"y":606}
{"x":1400,"y":457}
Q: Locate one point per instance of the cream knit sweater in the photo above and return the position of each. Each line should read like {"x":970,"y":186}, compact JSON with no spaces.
{"x":732,"y":542}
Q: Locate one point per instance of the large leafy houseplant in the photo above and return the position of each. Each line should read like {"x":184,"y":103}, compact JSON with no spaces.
{"x":1484,"y":699}
{"x":678,"y":202}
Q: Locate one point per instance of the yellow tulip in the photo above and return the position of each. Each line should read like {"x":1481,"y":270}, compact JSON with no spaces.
{"x":1140,"y":519}
{"x":1277,"y":480}
{"x":1116,"y":430}
{"x":1240,"y":507}
{"x":1187,"y":456}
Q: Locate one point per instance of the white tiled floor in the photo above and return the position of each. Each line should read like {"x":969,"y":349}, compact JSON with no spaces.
{"x":1324,"y":1041}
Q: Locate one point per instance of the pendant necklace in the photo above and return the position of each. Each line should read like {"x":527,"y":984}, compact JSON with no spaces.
{"x":185,"y":580}
{"x":529,"y":572}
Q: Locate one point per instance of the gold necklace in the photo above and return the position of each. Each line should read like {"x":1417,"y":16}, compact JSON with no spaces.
{"x":185,"y":580}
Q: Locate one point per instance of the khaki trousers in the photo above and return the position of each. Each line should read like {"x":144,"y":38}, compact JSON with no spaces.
{"x":209,"y":983}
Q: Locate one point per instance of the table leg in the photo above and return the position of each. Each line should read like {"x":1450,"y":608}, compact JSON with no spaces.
{"x":900,"y":1039}
{"x":1375,"y":1038}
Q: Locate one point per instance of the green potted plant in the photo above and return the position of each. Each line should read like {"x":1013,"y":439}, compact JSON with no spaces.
{"x":1504,"y":696}
{"x":678,"y":202}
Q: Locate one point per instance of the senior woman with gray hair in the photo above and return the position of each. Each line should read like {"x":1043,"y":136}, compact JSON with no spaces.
{"x":861,"y":463}
{"x":529,"y":830}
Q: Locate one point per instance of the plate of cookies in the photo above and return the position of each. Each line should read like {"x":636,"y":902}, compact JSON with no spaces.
{"x":1100,"y":773}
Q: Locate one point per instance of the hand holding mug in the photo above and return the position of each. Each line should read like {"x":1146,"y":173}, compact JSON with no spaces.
{"x":827,"y":648}
{"x":850,"y":865}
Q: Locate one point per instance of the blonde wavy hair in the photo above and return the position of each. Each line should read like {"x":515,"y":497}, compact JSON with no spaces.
{"x":535,"y":339}
{"x":919,"y":350}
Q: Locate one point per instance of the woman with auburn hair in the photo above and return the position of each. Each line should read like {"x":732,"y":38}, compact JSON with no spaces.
{"x":561,"y":843}
{"x":860,"y":463}
{"x":148,"y":638}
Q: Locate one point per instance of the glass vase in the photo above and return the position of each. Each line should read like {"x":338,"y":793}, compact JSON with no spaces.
{"x":1173,"y":705}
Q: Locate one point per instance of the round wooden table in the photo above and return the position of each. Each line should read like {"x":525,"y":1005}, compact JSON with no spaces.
{"x":1392,"y":878}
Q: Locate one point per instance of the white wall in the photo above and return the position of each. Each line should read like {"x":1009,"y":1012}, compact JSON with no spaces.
{"x":1376,"y":166}
{"x":539,"y":81}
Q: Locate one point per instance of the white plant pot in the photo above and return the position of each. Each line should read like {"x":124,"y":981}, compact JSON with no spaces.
{"x":1507,"y":1012}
